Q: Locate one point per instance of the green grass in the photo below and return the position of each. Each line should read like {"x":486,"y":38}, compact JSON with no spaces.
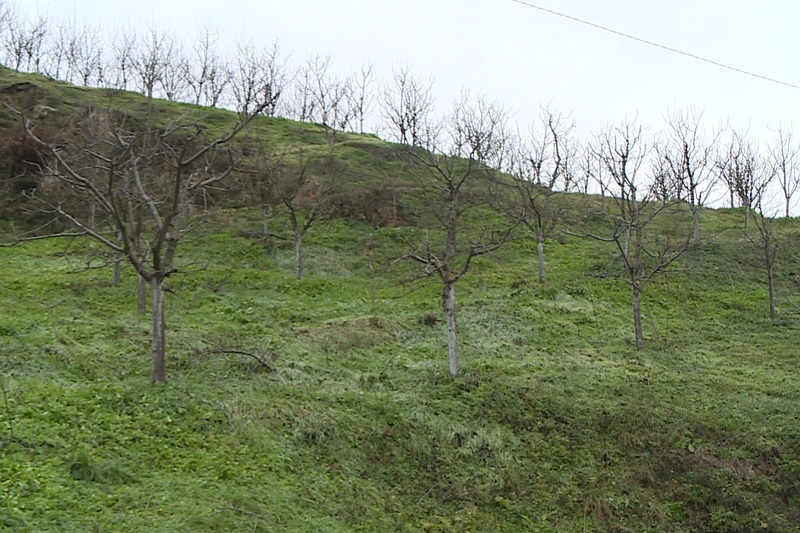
{"x":353,"y":424}
{"x":557,"y":424}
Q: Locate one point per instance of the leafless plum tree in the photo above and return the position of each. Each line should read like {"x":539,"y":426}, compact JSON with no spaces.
{"x":208,"y":76}
{"x":7,"y":13}
{"x":784,"y":155}
{"x":24,"y":42}
{"x":622,"y":153}
{"x":257,"y":77}
{"x":361,"y":96}
{"x":86,"y":56}
{"x":123,"y":60}
{"x":407,"y":104}
{"x":663,"y":185}
{"x":767,"y":240}
{"x":737,"y":163}
{"x":57,"y":66}
{"x":261,"y":184}
{"x":541,"y":164}
{"x":689,"y":159}
{"x":175,"y":78}
{"x":304,"y":198}
{"x":150,"y":61}
{"x":331,"y":99}
{"x":457,"y":162}
{"x":586,"y":169}
{"x":302,"y":102}
{"x":145,"y":182}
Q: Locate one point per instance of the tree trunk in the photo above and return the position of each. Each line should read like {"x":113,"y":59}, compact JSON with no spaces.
{"x":298,"y":254}
{"x":771,"y":280}
{"x":159,"y":331}
{"x":540,"y":257}
{"x":452,"y":327}
{"x":141,"y":296}
{"x":788,"y":199}
{"x":265,"y":235}
{"x":626,"y":248}
{"x":695,"y":223}
{"x":746,"y":215}
{"x":117,"y":272}
{"x":118,"y":264}
{"x":637,"y":317}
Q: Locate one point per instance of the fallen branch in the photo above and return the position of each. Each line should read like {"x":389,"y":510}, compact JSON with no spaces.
{"x":263,"y":362}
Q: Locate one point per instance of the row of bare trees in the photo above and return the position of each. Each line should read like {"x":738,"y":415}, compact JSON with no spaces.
{"x":158,"y":65}
{"x":144,"y":183}
{"x":690,"y":157}
{"x":641,"y":176}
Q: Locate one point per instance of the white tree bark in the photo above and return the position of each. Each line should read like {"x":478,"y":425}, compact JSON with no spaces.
{"x":637,"y":318}
{"x":452,"y":327}
{"x":540,"y":257}
{"x":298,"y":254}
{"x":159,"y":331}
{"x":141,"y":295}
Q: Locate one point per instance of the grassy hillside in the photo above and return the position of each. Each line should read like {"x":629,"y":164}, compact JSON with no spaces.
{"x":350,"y":421}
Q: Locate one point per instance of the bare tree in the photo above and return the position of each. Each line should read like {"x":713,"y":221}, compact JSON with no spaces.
{"x":150,"y":61}
{"x":339,"y":114}
{"x":7,"y":13}
{"x":321,"y":88}
{"x":407,"y":104}
{"x":123,"y":60}
{"x":586,"y":169}
{"x":767,"y":240}
{"x":331,"y":99}
{"x":87,"y":56}
{"x":737,"y":163}
{"x":622,"y":152}
{"x":302,"y":107}
{"x":361,"y":95}
{"x":540,"y":165}
{"x":207,"y":76}
{"x":57,"y":66}
{"x":689,"y":160}
{"x":664,"y":186}
{"x":145,"y":182}
{"x":304,"y":198}
{"x":457,"y":173}
{"x":175,"y":78}
{"x":784,"y":156}
{"x":262,"y":177}
{"x":24,"y":42}
{"x":257,"y":77}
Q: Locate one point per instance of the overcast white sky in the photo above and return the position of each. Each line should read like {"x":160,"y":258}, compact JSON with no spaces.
{"x":520,"y":56}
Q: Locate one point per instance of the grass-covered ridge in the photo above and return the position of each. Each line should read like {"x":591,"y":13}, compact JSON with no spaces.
{"x":352,"y":423}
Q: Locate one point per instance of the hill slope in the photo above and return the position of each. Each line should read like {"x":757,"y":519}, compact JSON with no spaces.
{"x":347,"y":421}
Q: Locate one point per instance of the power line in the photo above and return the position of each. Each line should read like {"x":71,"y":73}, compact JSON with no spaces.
{"x":656,"y":45}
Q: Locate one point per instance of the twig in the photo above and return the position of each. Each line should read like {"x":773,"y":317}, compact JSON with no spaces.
{"x":266,"y":364}
{"x":20,"y":240}
{"x":413,"y":290}
{"x":438,"y":482}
